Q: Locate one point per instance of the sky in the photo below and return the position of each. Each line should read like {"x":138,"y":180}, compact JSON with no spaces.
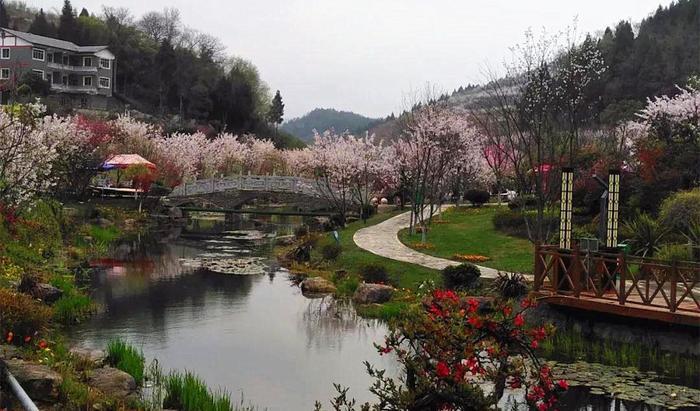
{"x":372,"y":56}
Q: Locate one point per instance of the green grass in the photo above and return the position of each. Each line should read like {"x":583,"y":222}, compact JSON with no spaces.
{"x":403,"y":275}
{"x":187,"y":392}
{"x":127,"y":358}
{"x":471,"y":231}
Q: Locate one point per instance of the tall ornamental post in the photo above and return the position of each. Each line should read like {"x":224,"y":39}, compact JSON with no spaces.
{"x":567,"y":188}
{"x":613,"y":209}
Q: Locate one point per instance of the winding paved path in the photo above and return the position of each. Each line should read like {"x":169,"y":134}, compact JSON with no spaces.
{"x":383,"y":240}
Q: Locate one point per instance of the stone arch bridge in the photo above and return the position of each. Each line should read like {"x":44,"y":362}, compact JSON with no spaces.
{"x":235,"y":191}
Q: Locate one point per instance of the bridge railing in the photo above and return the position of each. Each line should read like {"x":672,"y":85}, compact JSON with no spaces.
{"x":284,"y":184}
{"x":618,"y":278}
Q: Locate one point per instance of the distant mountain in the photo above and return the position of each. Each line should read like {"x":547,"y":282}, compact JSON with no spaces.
{"x":322,"y":119}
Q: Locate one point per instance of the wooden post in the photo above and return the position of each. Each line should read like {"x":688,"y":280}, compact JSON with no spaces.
{"x":622,"y":269}
{"x":674,"y":286}
{"x":556,"y":263}
{"x":575,"y":271}
{"x":539,"y":269}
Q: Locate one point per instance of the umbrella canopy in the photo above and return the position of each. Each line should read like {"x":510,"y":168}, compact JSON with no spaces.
{"x":122,"y":161}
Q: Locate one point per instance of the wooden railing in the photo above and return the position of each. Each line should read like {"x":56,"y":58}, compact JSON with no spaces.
{"x":618,"y":278}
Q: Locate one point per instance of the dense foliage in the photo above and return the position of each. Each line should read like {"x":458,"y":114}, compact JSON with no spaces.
{"x":165,"y":68}
{"x":463,"y":276}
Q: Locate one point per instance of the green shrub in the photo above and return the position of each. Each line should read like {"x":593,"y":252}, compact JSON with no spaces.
{"x":347,"y":285}
{"x":674,"y":253}
{"x":127,"y":358}
{"x":374,"y":273}
{"x":331,"y":251}
{"x":463,"y":276}
{"x":510,"y":286}
{"x":477,"y":197}
{"x":21,"y":315}
{"x":680,"y":211}
{"x":511,"y":222}
{"x":187,"y":392}
{"x":522,"y":201}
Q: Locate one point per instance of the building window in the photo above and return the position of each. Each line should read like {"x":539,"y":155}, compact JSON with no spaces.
{"x":48,"y":77}
{"x":87,"y":81}
{"x":5,"y":54}
{"x":105,"y":63}
{"x":4,"y":73}
{"x":49,"y":57}
{"x":87,"y":61}
{"x":65,"y":60}
{"x":105,"y":82}
{"x":83,"y":102}
{"x":38,"y":74}
{"x":38,"y":54}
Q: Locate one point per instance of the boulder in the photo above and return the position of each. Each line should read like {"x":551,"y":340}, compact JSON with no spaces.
{"x":368,"y":293}
{"x":317,"y":285}
{"x":95,"y":358}
{"x":8,"y":352}
{"x":46,"y":292}
{"x":113,"y":383}
{"x":40,"y":382}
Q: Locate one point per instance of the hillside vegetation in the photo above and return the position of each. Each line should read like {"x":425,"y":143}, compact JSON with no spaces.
{"x":322,"y":119}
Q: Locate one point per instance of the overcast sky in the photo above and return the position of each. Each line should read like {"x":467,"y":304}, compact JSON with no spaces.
{"x":367,"y":56}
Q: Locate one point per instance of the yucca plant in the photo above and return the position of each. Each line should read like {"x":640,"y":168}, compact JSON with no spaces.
{"x":644,"y":234}
{"x":510,"y":285}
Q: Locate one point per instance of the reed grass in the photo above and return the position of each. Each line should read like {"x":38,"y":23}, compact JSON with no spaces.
{"x":127,"y":358}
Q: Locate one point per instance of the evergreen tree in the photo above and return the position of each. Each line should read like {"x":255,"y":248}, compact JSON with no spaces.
{"x":84,"y":13}
{"x":68,"y":25}
{"x":276,"y":113}
{"x":4,"y":17}
{"x":41,"y":26}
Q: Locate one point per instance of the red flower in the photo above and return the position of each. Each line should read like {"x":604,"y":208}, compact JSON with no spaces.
{"x":442,"y":370}
{"x":27,"y":339}
{"x":10,"y":337}
{"x":473,"y":305}
{"x":43,"y":344}
{"x":542,"y":406}
{"x":534,"y":344}
{"x":519,"y":321}
{"x":507,"y":310}
{"x":475,"y":321}
{"x":563,"y":384}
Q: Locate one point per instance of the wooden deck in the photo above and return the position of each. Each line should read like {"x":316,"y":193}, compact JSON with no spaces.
{"x":620,"y":285}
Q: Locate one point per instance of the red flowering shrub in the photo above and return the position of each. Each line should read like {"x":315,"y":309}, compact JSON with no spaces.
{"x":452,"y":346}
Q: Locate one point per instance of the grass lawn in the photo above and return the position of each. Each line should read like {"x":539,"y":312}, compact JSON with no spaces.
{"x":470,"y":231}
{"x":404,"y":275}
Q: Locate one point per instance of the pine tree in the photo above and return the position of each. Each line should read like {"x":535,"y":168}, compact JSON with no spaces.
{"x":68,"y":26}
{"x":276,"y":113}
{"x":4,"y":17}
{"x":84,"y":13}
{"x":41,"y":26}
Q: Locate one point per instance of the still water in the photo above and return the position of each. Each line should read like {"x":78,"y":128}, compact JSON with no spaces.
{"x":255,"y":336}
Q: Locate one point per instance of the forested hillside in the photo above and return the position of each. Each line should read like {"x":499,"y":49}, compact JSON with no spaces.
{"x":664,"y":52}
{"x":322,"y":119}
{"x":165,"y":68}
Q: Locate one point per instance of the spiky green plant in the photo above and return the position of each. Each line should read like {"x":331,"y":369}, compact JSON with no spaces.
{"x":644,"y":234}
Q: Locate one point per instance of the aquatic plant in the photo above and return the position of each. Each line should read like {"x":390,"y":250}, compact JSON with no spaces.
{"x":127,"y":358}
{"x":187,"y":392}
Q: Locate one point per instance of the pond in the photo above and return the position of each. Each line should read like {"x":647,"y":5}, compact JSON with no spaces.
{"x":258,"y":337}
{"x":253,"y":335}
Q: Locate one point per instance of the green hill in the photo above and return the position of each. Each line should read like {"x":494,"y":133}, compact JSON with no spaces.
{"x":322,"y":119}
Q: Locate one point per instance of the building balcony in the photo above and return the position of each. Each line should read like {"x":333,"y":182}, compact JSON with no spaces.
{"x":66,"y":88}
{"x":77,"y":69}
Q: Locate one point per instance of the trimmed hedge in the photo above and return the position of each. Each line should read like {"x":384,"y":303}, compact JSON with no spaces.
{"x":463,"y":276}
{"x":477,"y":197}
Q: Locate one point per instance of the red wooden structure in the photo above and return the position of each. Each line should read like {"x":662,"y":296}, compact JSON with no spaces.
{"x":619,"y":284}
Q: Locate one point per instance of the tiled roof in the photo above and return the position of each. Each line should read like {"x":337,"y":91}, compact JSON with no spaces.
{"x":56,"y":43}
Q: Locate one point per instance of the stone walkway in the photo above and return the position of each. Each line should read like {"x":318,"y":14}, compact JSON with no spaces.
{"x":383,"y":240}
